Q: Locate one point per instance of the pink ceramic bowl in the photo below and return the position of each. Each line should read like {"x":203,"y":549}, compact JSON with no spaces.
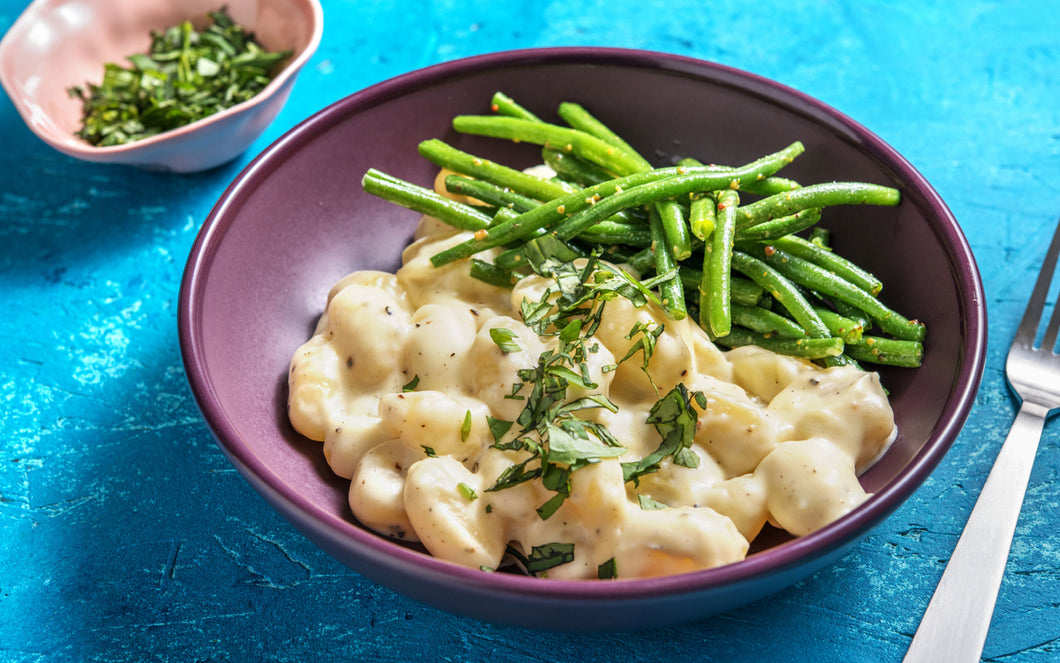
{"x":56,"y":44}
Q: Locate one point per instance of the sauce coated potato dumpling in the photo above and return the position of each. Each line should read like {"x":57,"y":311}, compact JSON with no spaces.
{"x":404,"y":376}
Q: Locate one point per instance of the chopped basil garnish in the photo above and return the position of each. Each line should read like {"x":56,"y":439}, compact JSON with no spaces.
{"x":185,"y":76}
{"x":568,"y":444}
{"x":646,"y":336}
{"x":549,"y":555}
{"x":556,"y":440}
{"x":675,"y":419}
{"x":498,"y":427}
{"x":505,"y":339}
{"x":543,"y":557}
{"x":648,"y":504}
{"x":465,"y":428}
{"x":467,"y":491}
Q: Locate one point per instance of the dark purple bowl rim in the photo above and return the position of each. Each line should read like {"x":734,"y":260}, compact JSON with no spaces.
{"x":341,"y":532}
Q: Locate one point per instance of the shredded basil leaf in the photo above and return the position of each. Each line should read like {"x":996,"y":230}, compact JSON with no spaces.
{"x":648,"y":504}
{"x":498,"y":427}
{"x":675,"y":419}
{"x":505,"y":339}
{"x":549,"y":555}
{"x":569,"y":444}
{"x":542,"y":557}
{"x":549,"y":508}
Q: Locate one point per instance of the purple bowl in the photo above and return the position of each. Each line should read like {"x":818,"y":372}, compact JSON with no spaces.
{"x":296,"y":220}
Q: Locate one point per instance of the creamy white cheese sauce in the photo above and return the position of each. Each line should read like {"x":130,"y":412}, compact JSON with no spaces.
{"x":780,"y":439}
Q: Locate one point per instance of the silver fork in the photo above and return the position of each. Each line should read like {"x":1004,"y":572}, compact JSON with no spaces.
{"x":958,"y":616}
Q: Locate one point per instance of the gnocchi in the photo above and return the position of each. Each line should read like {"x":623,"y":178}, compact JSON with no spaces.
{"x":405,"y":380}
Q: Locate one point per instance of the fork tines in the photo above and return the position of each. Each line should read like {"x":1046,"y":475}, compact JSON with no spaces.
{"x":1028,"y":328}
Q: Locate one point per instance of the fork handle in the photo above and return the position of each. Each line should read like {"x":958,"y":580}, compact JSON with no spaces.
{"x":956,"y":621}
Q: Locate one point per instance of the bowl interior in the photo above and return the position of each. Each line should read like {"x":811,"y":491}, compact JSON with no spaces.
{"x":297,"y":220}
{"x":57,"y":44}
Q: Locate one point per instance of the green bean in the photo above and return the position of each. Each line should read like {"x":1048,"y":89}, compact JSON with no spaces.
{"x":764,"y":321}
{"x":490,"y":273}
{"x":744,"y":292}
{"x":643,"y":261}
{"x":717,"y":263}
{"x":612,"y":233}
{"x":566,"y":165}
{"x":502,"y":215}
{"x":853,"y":313}
{"x":586,"y":174}
{"x":822,"y":237}
{"x":808,"y":250}
{"x":491,"y":194}
{"x":425,"y":201}
{"x":779,"y":228}
{"x":815,"y":195}
{"x":671,"y":293}
{"x":760,"y":283}
{"x":690,"y":162}
{"x":701,"y":214}
{"x":783,"y":291}
{"x":579,"y":118}
{"x":531,"y":186}
{"x":618,"y":232}
{"x":540,"y":217}
{"x":887,"y":351}
{"x":511,"y":259}
{"x":703,"y":293}
{"x":676,"y":228}
{"x":809,"y":348}
{"x":585,"y":145}
{"x":763,"y":187}
{"x":763,"y":167}
{"x":839,"y":325}
{"x":547,"y":215}
{"x":690,"y":277}
{"x":572,"y":169}
{"x":825,"y":282}
{"x":641,"y":194}
{"x":770,"y":186}
{"x":841,"y":360}
{"x":505,"y":105}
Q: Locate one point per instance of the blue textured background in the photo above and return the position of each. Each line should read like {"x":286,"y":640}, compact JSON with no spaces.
{"x":125,"y":534}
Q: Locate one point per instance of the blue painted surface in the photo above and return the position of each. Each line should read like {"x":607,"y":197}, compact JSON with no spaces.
{"x":126,"y":535}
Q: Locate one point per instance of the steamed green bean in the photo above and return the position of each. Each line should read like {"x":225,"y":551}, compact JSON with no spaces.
{"x":758,"y":270}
